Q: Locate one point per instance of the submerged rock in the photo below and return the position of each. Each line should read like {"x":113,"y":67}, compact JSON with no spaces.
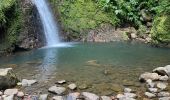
{"x":145,"y":76}
{"x":93,"y":63}
{"x":57,"y":90}
{"x":90,"y":96}
{"x":10,"y":91}
{"x":83,"y":86}
{"x":8,"y":78}
{"x":26,"y":82}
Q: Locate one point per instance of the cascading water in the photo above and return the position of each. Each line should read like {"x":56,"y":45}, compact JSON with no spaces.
{"x":49,"y":24}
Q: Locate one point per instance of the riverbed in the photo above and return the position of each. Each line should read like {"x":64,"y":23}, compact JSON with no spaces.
{"x":101,"y":68}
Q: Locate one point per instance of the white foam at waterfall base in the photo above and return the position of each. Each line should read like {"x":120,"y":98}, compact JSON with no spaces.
{"x":49,"y":25}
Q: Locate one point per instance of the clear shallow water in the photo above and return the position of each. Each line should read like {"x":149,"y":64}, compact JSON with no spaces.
{"x":98,"y":65}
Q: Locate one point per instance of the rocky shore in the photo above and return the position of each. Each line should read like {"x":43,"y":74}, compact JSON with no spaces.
{"x":155,"y":82}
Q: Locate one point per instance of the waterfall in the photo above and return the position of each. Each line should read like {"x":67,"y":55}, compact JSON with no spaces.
{"x":49,"y":25}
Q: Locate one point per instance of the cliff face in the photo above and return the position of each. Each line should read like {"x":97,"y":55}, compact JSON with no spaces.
{"x":31,"y":35}
{"x":22,"y":29}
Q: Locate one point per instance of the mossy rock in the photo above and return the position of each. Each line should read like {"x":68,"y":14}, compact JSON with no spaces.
{"x":8,"y":78}
{"x":161,"y":29}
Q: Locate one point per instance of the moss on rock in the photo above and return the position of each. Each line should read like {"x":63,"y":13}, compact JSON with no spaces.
{"x":161,"y":28}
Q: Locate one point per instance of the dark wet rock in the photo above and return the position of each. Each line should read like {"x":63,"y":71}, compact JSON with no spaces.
{"x":127,"y":90}
{"x":61,"y":82}
{"x":161,"y":85}
{"x":150,"y":95}
{"x":8,"y":78}
{"x":43,"y":97}
{"x":26,"y":82}
{"x":90,"y":96}
{"x":153,"y":90}
{"x":10,"y":91}
{"x":20,"y":94}
{"x":73,"y":96}
{"x":164,"y":78}
{"x":105,"y":98}
{"x":128,"y":83}
{"x":164,"y":98}
{"x":57,"y":90}
{"x":163,"y":94}
{"x":72,"y":86}
{"x":145,"y":76}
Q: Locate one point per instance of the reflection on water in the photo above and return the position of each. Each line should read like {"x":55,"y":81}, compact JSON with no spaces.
{"x":49,"y":63}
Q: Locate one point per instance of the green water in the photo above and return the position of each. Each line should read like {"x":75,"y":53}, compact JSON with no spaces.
{"x":118,"y":63}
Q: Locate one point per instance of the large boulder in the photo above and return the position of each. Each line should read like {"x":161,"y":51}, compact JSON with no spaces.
{"x":163,"y":70}
{"x":7,"y":78}
{"x":145,"y":76}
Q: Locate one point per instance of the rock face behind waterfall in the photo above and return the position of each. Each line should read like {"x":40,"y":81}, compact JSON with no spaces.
{"x":31,"y":35}
{"x":7,"y":78}
{"x":24,"y":31}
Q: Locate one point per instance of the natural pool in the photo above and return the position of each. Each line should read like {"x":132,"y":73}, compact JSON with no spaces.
{"x":102,"y":68}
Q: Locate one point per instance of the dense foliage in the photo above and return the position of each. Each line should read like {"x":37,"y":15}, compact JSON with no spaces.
{"x":80,"y":15}
{"x":10,"y":21}
{"x":134,"y":11}
{"x":161,"y":25}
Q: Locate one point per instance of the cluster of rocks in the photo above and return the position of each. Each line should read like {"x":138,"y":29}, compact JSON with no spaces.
{"x":157,"y":82}
{"x":108,"y":33}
